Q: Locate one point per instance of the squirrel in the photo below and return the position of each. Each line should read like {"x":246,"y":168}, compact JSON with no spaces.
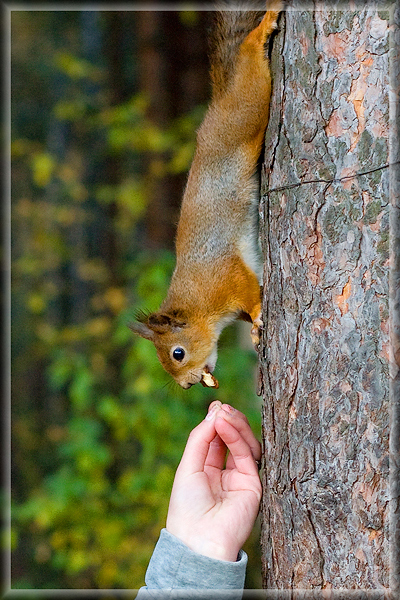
{"x":217,"y":274}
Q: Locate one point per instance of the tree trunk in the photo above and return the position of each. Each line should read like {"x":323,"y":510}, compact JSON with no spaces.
{"x":326,"y":347}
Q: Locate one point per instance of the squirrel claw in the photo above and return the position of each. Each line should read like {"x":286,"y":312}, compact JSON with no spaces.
{"x":256,"y":331}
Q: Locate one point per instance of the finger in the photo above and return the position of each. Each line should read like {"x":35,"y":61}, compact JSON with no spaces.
{"x":240,"y":422}
{"x":216,"y":454}
{"x":198,"y":444}
{"x":239,"y":449}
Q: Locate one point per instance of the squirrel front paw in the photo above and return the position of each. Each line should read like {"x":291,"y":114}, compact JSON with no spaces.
{"x":256,"y":331}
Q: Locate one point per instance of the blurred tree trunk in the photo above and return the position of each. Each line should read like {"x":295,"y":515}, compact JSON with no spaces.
{"x":173,"y":74}
{"x":326,"y":349}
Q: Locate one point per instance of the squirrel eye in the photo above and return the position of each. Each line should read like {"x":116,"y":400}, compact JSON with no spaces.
{"x":178,"y":354}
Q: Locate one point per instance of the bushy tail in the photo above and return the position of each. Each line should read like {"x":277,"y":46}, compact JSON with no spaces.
{"x":231,"y":26}
{"x":232,"y":23}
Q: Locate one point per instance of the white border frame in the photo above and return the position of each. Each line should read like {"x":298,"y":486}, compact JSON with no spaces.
{"x":7,"y":9}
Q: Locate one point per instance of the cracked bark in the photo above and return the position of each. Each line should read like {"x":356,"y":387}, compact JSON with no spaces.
{"x":325,"y":353}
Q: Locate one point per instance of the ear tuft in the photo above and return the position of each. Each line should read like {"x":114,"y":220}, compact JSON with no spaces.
{"x":142,"y":316}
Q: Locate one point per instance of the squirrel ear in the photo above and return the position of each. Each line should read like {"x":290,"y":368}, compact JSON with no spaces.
{"x":177,"y":324}
{"x":165,"y":322}
{"x":143,"y":330}
{"x":178,"y":319}
{"x":148,"y":326}
{"x":159,"y":323}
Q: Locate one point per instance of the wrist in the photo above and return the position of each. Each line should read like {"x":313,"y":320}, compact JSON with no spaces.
{"x":207,"y":547}
{"x":215,"y":551}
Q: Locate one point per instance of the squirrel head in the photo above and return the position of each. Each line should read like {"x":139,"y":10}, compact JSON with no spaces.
{"x":184,"y":349}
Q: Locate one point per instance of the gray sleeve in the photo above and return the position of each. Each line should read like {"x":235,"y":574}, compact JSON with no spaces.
{"x":175,"y":571}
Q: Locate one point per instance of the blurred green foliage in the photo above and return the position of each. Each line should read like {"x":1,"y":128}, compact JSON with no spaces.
{"x":98,"y":428}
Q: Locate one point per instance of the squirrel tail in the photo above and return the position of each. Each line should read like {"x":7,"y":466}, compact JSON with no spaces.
{"x":232,"y":23}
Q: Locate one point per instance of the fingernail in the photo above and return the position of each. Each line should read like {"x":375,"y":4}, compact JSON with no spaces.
{"x":211,"y":413}
{"x":213,"y":408}
{"x":229,"y":408}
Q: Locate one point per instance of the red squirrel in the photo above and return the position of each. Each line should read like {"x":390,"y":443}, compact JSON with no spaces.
{"x":217,"y":273}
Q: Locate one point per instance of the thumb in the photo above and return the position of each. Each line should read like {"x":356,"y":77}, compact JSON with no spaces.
{"x":198,"y":444}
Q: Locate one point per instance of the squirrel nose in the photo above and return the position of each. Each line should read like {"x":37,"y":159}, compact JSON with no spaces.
{"x":186,"y":386}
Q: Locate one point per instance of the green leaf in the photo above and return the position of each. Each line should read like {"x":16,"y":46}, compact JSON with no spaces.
{"x":43,"y":166}
{"x":81,"y":388}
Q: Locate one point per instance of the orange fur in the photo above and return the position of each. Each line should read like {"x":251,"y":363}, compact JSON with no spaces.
{"x":215,"y":277}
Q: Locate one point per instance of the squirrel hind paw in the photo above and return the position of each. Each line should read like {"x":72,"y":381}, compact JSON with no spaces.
{"x":256,"y":332}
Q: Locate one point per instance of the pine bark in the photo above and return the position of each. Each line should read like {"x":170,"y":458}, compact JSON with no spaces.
{"x":326,"y":217}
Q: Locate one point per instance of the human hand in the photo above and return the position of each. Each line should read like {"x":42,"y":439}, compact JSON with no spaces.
{"x":212,"y":509}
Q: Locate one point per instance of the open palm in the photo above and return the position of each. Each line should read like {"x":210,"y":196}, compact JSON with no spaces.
{"x":212,"y":508}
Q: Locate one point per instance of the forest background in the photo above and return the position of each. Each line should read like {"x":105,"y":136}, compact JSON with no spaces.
{"x":105,"y":107}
